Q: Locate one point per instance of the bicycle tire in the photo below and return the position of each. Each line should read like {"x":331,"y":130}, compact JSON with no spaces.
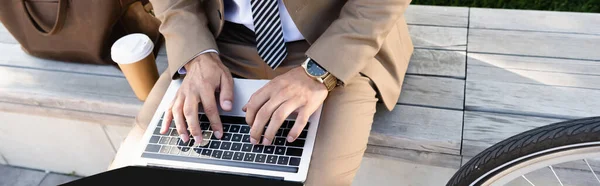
{"x":526,"y":143}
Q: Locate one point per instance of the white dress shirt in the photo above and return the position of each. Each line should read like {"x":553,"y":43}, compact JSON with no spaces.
{"x":240,"y":12}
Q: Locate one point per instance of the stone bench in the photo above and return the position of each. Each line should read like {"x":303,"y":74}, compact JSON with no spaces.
{"x":477,"y":76}
{"x":66,"y":117}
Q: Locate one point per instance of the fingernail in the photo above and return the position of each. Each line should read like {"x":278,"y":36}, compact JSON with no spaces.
{"x":184,"y":137}
{"x":266,"y":141}
{"x":227,"y":105}
{"x":218,"y":134}
{"x":290,"y":139}
{"x":253,"y":141}
{"x":197,"y":139}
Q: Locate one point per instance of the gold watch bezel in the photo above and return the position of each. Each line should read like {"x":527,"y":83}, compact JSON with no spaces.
{"x":325,"y":79}
{"x":321,"y":78}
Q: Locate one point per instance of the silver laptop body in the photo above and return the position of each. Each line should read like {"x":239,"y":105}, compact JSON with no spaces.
{"x":160,"y":150}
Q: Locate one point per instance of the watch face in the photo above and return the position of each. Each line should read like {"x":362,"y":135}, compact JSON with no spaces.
{"x":314,"y":69}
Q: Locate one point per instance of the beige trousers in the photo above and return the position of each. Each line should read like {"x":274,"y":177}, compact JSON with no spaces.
{"x":345,"y":122}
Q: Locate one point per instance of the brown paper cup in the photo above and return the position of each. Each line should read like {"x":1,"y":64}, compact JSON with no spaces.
{"x":141,"y":76}
{"x":133,"y":54}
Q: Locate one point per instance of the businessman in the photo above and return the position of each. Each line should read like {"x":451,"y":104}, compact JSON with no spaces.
{"x":346,"y":55}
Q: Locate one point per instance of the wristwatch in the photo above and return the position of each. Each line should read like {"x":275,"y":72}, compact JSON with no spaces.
{"x":319,"y":74}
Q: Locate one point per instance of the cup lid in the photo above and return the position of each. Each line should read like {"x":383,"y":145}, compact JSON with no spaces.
{"x":131,"y":48}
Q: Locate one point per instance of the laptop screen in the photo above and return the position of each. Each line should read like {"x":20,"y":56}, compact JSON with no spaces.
{"x":138,"y":175}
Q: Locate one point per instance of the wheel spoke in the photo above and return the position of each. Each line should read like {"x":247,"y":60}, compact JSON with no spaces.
{"x":594,"y":173}
{"x":561,"y":184}
{"x":523,"y":176}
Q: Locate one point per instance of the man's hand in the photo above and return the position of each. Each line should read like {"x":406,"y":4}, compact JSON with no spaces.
{"x":205,"y":75}
{"x":289,"y":92}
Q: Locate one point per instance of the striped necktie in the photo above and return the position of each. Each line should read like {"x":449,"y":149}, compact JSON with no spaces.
{"x":269,"y":33}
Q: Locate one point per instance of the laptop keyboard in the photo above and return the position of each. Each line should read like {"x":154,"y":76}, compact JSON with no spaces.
{"x":233,"y":149}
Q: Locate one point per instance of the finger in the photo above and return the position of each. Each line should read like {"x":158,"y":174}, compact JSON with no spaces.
{"x":226,"y":94}
{"x":278,"y":118}
{"x":179,"y":118}
{"x":299,"y":124}
{"x":207,"y":96}
{"x":255,"y":102}
{"x":190,"y":111}
{"x":262,"y":117}
{"x":167,"y":119}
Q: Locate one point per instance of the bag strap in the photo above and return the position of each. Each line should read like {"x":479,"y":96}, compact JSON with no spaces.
{"x":59,"y":22}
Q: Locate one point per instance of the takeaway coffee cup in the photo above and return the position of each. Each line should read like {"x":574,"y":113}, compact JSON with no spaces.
{"x":133,"y":53}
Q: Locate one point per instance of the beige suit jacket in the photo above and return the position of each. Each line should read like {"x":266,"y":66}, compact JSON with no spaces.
{"x":346,"y":37}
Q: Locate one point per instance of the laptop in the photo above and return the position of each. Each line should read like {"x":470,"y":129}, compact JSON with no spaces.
{"x":233,"y":154}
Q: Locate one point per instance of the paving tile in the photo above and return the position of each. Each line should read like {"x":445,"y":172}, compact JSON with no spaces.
{"x":66,"y":145}
{"x":384,"y":171}
{"x":57,"y":179}
{"x":116,"y":134}
{"x":14,"y":176}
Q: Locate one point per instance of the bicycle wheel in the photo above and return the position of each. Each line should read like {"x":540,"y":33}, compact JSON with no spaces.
{"x":531,"y":150}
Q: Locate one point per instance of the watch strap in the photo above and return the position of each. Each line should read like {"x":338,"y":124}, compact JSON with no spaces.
{"x":330,"y":81}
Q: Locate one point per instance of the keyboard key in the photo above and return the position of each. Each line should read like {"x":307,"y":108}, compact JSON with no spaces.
{"x":192,"y":142}
{"x":226,"y":127}
{"x":233,"y":119}
{"x":257,"y":148}
{"x":184,"y":149}
{"x":225,"y":145}
{"x":283,"y":160}
{"x":237,"y":137}
{"x":234,"y":128}
{"x":217,"y":154}
{"x":165,"y":149}
{"x":227,"y":155}
{"x":269,"y":149}
{"x":293,"y":151}
{"x":260,"y":158}
{"x":157,"y":131}
{"x":154,"y":139}
{"x":206,"y":152}
{"x":246,"y":139}
{"x":249,"y":157}
{"x":205,"y":143}
{"x":204,"y":125}
{"x":297,"y":143}
{"x":164,"y":140}
{"x":303,"y":134}
{"x":152,"y":148}
{"x":279,"y":132}
{"x":280,"y":150}
{"x":285,"y":132}
{"x":238,"y":156}
{"x":272,"y":159}
{"x":174,"y":151}
{"x":247,"y":148}
{"x":294,"y":161}
{"x":288,"y":125}
{"x":215,"y":144}
{"x":203,"y":118}
{"x":245,"y":130}
{"x":279,"y":141}
{"x":236,"y":146}
{"x":173,"y":133}
{"x":198,"y":150}
{"x":182,"y":144}
{"x":306,"y":127}
{"x":226,"y":137}
{"x":174,"y":141}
